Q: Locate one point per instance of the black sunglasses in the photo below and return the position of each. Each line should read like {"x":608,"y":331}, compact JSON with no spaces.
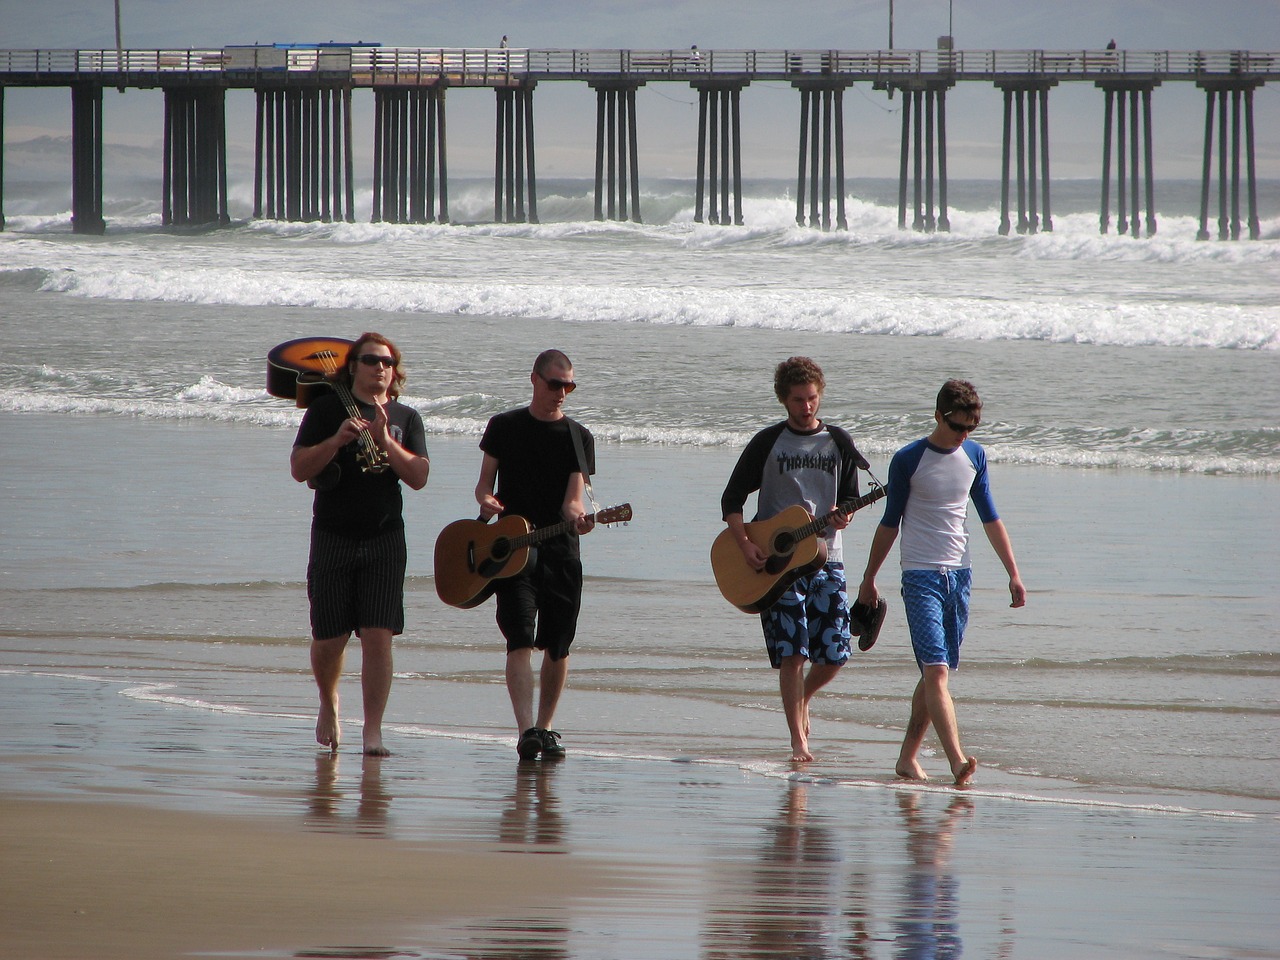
{"x":959,"y":427}
{"x":375,"y":359}
{"x":555,"y":383}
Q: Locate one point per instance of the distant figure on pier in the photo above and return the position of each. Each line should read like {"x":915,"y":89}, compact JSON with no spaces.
{"x":1111,"y":44}
{"x":503,"y":44}
{"x":695,"y":57}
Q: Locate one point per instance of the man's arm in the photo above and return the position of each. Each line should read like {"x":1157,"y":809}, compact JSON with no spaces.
{"x":573,"y":507}
{"x":305,"y":463}
{"x":490,"y":506}
{"x":999,"y":538}
{"x":881,"y":543}
{"x":755,"y":557}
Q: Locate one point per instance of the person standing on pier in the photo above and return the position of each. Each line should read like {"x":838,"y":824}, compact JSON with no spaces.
{"x":804,"y":461}
{"x":536,"y":465}
{"x":930,"y":484}
{"x":355,"y":574}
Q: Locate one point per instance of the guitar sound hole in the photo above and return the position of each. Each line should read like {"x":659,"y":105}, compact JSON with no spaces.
{"x":501,"y":549}
{"x":783,"y":543}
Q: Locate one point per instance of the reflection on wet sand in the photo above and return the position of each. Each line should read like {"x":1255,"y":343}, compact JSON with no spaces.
{"x":328,"y":803}
{"x":796,"y":900}
{"x":531,"y":822}
{"x":531,"y":817}
{"x":928,"y":922}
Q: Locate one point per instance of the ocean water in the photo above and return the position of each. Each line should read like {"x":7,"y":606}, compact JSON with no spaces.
{"x":1132,"y":388}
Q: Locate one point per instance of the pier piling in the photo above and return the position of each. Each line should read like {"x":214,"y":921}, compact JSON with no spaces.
{"x":302,"y":155}
{"x":924,"y":142}
{"x":821,"y":142}
{"x":1136,"y":134}
{"x":719,"y":150}
{"x":1023,"y":137}
{"x":513,"y":157}
{"x":1241,"y":97}
{"x":409,"y":149}
{"x":195,"y":156}
{"x":617,"y":150}
{"x":86,"y":159}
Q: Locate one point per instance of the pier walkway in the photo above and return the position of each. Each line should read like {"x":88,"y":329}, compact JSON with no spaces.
{"x":303,"y":148}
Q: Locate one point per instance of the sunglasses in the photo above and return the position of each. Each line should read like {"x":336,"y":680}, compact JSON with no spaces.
{"x":959,"y":427}
{"x":554,"y":383}
{"x":374,"y":359}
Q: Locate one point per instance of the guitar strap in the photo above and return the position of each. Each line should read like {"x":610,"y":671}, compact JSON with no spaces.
{"x":576,"y":432}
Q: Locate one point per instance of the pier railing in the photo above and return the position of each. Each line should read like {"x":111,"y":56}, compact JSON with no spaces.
{"x":484,"y":66}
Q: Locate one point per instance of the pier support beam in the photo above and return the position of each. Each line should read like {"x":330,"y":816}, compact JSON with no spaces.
{"x":719,"y":149}
{"x":617,"y":152}
{"x":302,"y":155}
{"x":195,"y":156}
{"x":513,"y":168}
{"x":1028,"y":101}
{"x":926,"y":102}
{"x":1138,"y":96}
{"x":410,"y":173}
{"x":1240,"y":93}
{"x":1,"y":159}
{"x":86,"y":159}
{"x":821,"y":141}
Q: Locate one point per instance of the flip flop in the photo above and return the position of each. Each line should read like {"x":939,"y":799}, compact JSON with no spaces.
{"x":869,"y":620}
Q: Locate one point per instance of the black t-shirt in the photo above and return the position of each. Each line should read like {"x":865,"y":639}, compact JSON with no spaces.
{"x":535,"y":460}
{"x":359,"y":505}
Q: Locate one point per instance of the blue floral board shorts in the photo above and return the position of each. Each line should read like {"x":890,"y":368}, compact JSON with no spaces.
{"x":810,"y":619}
{"x":937,"y":603}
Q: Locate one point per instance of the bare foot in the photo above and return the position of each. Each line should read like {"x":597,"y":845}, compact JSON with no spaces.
{"x":800,"y":752}
{"x":373,"y":744}
{"x":328,"y":730}
{"x":966,"y":772}
{"x":911,"y":771}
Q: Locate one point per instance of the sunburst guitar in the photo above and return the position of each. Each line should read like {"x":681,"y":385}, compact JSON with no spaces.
{"x":471,"y":555}
{"x":790,"y":541}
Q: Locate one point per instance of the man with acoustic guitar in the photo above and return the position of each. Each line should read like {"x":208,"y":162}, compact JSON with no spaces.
{"x":536,"y":463}
{"x":800,"y":461}
{"x":355,"y":458}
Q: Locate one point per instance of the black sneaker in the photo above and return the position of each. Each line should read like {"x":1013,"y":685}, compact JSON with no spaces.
{"x":531,"y":744}
{"x":868,"y":620}
{"x":551,"y":748}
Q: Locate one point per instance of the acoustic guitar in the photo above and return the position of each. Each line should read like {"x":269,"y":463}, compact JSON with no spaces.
{"x":793,"y":546}
{"x":300,"y":370}
{"x":471,"y":555}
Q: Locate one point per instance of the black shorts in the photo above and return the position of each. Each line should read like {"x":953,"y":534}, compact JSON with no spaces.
{"x":539,"y":607}
{"x":356,"y":583}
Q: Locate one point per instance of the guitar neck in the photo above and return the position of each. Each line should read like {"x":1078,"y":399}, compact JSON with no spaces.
{"x":819,"y":524}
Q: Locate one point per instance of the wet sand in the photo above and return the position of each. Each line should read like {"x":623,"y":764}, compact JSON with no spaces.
{"x":133,"y":827}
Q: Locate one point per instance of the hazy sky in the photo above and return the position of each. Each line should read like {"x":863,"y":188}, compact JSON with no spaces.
{"x":667,"y":111}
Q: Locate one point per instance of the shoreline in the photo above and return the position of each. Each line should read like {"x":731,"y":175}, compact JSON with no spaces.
{"x":131,"y":830}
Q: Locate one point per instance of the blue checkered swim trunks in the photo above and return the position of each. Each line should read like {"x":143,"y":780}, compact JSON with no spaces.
{"x":810,"y":619}
{"x":937,"y":603}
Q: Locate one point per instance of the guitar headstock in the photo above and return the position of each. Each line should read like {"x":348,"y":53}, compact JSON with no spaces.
{"x":618,"y":514}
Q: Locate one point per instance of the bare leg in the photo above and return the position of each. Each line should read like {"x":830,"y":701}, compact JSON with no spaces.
{"x":326,"y":666}
{"x":908,"y":766}
{"x":520,"y":687}
{"x":943,"y":714}
{"x":791,"y":683}
{"x":551,"y":680}
{"x":375,"y":685}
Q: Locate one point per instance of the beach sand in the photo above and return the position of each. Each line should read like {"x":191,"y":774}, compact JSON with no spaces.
{"x":133,"y":828}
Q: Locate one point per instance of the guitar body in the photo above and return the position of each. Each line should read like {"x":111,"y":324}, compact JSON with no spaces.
{"x":472,"y":555}
{"x":297,"y":369}
{"x":790,"y":558}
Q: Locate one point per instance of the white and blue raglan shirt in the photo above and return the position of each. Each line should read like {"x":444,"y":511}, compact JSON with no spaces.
{"x":927,"y":500}
{"x":815,"y":470}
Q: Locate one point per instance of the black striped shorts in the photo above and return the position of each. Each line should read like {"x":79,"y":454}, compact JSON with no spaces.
{"x":356,"y":583}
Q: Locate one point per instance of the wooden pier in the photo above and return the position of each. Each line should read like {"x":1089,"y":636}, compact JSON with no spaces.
{"x":303,"y":149}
